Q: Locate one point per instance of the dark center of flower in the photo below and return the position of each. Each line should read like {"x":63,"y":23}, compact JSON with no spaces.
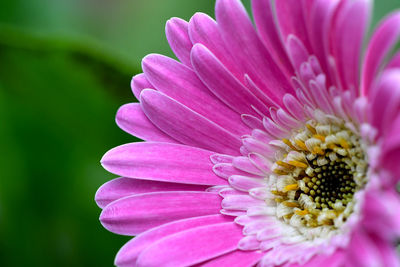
{"x":331,"y":183}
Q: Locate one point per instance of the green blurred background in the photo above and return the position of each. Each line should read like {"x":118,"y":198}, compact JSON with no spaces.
{"x":65,"y":68}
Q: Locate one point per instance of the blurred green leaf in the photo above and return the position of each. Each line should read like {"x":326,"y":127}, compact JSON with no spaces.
{"x":58,"y":107}
{"x":129,"y":28}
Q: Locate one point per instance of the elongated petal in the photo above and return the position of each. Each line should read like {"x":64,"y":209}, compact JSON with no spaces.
{"x":222,"y":83}
{"x":394,"y":62}
{"x":381,"y":213}
{"x":177,"y":34}
{"x":245,"y":183}
{"x":220,"y":158}
{"x":225,"y":170}
{"x":131,"y":119}
{"x":204,"y":30}
{"x":235,"y":258}
{"x":363,"y":251}
{"x":181,"y":83}
{"x":135,"y":214}
{"x":335,"y":259}
{"x":383,"y":39}
{"x":388,"y":253}
{"x":138,"y":83}
{"x":385,"y":101}
{"x":240,"y":202}
{"x":192,"y":246}
{"x":252,"y":121}
{"x":291,"y":20}
{"x":391,"y":149}
{"x":265,"y":21}
{"x":128,"y":254}
{"x":321,"y":14}
{"x":185,"y":125}
{"x":162,"y":162}
{"x":297,"y":52}
{"x":122,"y":187}
{"x":242,"y":39}
{"x":347,"y":32}
{"x":293,"y":106}
{"x":244,"y":164}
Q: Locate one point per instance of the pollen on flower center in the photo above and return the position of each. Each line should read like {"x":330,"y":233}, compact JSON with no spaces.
{"x":319,"y":168}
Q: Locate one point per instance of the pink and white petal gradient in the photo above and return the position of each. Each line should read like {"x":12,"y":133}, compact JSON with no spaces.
{"x":193,"y":193}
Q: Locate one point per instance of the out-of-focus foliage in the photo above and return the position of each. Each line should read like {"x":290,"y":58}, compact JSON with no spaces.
{"x":129,"y":28}
{"x":65,"y":68}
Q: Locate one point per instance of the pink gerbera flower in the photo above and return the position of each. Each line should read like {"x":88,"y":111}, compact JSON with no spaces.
{"x":272,"y":146}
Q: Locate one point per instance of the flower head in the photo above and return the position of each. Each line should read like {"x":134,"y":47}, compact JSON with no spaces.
{"x":276,"y":145}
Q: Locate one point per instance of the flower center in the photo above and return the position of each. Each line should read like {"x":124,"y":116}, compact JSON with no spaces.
{"x":317,"y":172}
{"x":331,"y":183}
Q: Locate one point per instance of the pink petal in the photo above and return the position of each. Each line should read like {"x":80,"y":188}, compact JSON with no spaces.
{"x":233,"y":213}
{"x":381,"y":213}
{"x":252,"y":122}
{"x":388,"y":252}
{"x":391,"y":149}
{"x":135,"y":214}
{"x":122,"y":187}
{"x":185,"y":125}
{"x":243,"y":220}
{"x":235,"y":258}
{"x":297,"y":52}
{"x":244,"y":43}
{"x":262,"y":95}
{"x":220,"y":158}
{"x":249,"y":243}
{"x":291,"y":20}
{"x":240,"y":202}
{"x":383,"y":39}
{"x":253,"y":227}
{"x":229,"y":191}
{"x":261,"y":136}
{"x":260,"y":162}
{"x":255,"y":146}
{"x":225,"y":170}
{"x":204,"y":30}
{"x":394,"y":62}
{"x":244,"y":164}
{"x":351,"y":27}
{"x":162,"y":162}
{"x":222,"y":83}
{"x":336,"y":259}
{"x":265,"y":22}
{"x":321,"y":97}
{"x":274,"y":129}
{"x":320,"y":17}
{"x":138,"y":83}
{"x":181,"y":83}
{"x":385,"y":101}
{"x":294,"y":107}
{"x":217,"y":188}
{"x":269,"y":236}
{"x":177,"y":34}
{"x":132,"y":120}
{"x":128,"y":254}
{"x":306,"y":73}
{"x":363,"y":251}
{"x":245,"y":183}
{"x":287,"y":120}
{"x":286,"y":253}
{"x":192,"y":246}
